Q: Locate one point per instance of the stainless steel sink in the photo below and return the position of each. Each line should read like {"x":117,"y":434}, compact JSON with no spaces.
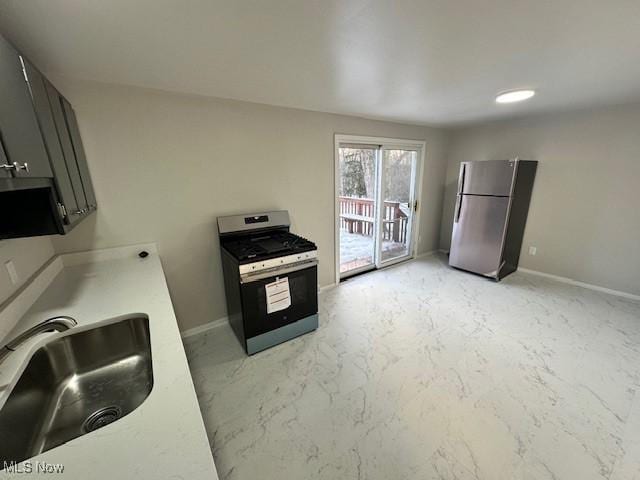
{"x":74,"y":385}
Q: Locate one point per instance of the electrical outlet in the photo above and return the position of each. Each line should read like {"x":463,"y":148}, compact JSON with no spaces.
{"x":11,"y":270}
{"x":532,"y":250}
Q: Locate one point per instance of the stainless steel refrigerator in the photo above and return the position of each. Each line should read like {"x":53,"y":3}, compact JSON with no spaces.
{"x":490,"y":215}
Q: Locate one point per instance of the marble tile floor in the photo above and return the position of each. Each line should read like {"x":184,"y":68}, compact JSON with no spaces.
{"x":424,"y":372}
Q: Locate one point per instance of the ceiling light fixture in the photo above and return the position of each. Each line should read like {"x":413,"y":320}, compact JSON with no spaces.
{"x":513,"y":96}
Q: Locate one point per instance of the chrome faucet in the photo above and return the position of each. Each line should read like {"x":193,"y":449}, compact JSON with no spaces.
{"x":58,"y":324}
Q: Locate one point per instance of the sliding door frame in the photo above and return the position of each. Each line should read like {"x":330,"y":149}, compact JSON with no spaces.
{"x":384,"y":143}
{"x":411,"y":252}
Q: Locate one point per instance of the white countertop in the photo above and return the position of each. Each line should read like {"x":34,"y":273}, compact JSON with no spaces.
{"x":164,"y":438}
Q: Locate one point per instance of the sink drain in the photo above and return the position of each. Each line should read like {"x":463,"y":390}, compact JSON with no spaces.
{"x":102,"y":417}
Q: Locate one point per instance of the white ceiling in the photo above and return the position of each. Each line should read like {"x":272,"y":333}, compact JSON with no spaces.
{"x":419,"y":61}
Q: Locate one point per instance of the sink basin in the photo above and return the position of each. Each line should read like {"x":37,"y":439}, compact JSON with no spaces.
{"x":74,"y":385}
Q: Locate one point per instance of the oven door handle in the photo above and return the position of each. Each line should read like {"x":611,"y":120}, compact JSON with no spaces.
{"x":277,"y":271}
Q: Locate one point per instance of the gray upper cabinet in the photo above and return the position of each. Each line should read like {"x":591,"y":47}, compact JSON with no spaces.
{"x":23,"y":151}
{"x":78,"y":150}
{"x":4,"y":162}
{"x":64,"y":137}
{"x":65,"y":187}
{"x":44,"y":171}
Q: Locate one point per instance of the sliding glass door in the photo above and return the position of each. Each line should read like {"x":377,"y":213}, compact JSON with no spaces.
{"x":376,"y":204}
{"x":357,"y":207}
{"x":397,"y":176}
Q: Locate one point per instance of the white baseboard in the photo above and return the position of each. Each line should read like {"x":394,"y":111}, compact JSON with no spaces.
{"x":204,"y":328}
{"x":327,"y":287}
{"x":432,"y":252}
{"x":589,"y":286}
{"x":426,"y":254}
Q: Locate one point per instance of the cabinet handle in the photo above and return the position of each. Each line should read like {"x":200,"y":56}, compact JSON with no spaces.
{"x":12,"y":166}
{"x":16,"y":166}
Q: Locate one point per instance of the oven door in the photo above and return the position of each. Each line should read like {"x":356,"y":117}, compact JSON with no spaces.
{"x":303,"y":288}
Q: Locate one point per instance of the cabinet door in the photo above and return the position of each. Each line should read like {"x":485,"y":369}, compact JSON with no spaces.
{"x":4,"y":162}
{"x":55,"y":101}
{"x":62,"y":180}
{"x":81,"y":158}
{"x":19,"y":128}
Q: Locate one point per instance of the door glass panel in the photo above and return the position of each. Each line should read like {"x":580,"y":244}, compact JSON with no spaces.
{"x":357,"y":208}
{"x":398,"y":172}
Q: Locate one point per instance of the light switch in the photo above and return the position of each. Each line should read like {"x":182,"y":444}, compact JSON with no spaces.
{"x":532,"y":250}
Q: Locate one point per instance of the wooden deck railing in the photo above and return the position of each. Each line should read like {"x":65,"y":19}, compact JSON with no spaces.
{"x":357,"y":215}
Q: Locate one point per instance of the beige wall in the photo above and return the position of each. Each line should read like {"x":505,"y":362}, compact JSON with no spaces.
{"x":28,"y":255}
{"x":166,"y":165}
{"x":584,"y":217}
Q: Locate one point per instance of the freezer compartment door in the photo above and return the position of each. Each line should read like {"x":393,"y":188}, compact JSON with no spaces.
{"x":493,"y":177}
{"x":478,"y":229}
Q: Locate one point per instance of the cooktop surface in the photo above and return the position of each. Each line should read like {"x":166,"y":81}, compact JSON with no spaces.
{"x":252,"y":248}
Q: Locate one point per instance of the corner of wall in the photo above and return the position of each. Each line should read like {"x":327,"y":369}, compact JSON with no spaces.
{"x":27,"y":256}
{"x":448,"y":189}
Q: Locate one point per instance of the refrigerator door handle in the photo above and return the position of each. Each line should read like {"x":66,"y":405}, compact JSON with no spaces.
{"x":456,"y":217}
{"x":461,"y":178}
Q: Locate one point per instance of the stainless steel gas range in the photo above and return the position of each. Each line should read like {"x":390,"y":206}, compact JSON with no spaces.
{"x":270,"y":279}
